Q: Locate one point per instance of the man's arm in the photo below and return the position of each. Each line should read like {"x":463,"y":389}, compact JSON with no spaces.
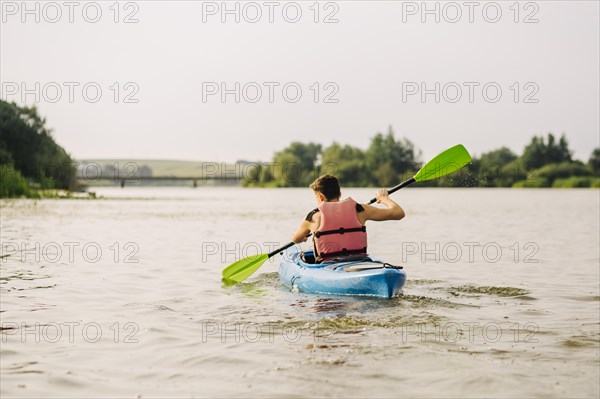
{"x":392,"y":210}
{"x":301,"y":234}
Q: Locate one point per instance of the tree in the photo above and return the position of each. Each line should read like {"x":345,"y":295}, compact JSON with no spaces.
{"x":401,"y":156}
{"x":490,"y":167}
{"x":287,"y":170}
{"x":27,"y":144}
{"x":295,"y":165}
{"x":539,"y":153}
{"x":347,"y":163}
{"x":306,"y":154}
{"x":500,"y":157}
{"x":594,"y":162}
{"x":253,"y":175}
{"x":385,"y":175}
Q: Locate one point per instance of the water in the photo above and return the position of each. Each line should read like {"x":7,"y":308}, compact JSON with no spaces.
{"x":125,"y":298}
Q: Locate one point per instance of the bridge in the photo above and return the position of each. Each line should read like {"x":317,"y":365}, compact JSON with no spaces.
{"x":123,"y":180}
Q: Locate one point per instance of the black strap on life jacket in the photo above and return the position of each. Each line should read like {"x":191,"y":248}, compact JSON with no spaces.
{"x":341,"y":230}
{"x":310,"y":214}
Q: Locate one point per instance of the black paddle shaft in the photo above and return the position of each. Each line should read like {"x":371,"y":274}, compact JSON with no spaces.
{"x":286,"y":246}
{"x":390,"y":191}
{"x":396,"y":188}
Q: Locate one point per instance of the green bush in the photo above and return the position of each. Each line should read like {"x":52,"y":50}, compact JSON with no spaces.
{"x":533,"y":183}
{"x":12,"y":183}
{"x":575,"y":182}
{"x":562,"y":171}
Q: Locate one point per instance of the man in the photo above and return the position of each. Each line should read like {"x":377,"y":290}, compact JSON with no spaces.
{"x":338,"y":226}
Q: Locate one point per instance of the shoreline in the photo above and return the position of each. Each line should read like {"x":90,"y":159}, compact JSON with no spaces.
{"x":91,"y":195}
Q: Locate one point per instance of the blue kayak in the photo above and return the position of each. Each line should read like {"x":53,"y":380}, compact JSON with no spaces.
{"x":367,"y":276}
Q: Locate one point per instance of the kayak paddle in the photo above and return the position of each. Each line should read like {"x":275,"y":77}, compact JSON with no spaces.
{"x":445,"y":163}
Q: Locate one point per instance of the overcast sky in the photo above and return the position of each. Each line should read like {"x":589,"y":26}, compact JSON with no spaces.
{"x":368,"y":65}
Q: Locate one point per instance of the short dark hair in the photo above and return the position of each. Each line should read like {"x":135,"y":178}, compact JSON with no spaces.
{"x":327,"y":185}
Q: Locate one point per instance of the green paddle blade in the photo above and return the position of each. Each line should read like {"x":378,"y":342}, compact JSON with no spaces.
{"x":445,"y":163}
{"x":243,"y":268}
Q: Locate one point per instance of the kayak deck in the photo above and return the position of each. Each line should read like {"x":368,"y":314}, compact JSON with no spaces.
{"x":360,"y":277}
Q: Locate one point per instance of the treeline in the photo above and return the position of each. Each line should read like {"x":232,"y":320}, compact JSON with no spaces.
{"x":545,"y":162}
{"x":30,"y":159}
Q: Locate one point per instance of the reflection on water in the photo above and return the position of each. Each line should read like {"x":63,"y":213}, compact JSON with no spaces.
{"x":165,"y":324}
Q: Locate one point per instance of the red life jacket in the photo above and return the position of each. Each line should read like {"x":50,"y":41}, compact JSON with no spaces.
{"x":340,"y":232}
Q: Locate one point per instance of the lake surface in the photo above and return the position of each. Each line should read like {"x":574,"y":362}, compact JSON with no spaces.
{"x":122,"y":297}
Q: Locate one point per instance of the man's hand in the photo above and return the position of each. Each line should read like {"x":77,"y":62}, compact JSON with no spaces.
{"x":301,"y":234}
{"x":381,"y":194}
{"x":301,"y":239}
{"x":391,"y":210}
